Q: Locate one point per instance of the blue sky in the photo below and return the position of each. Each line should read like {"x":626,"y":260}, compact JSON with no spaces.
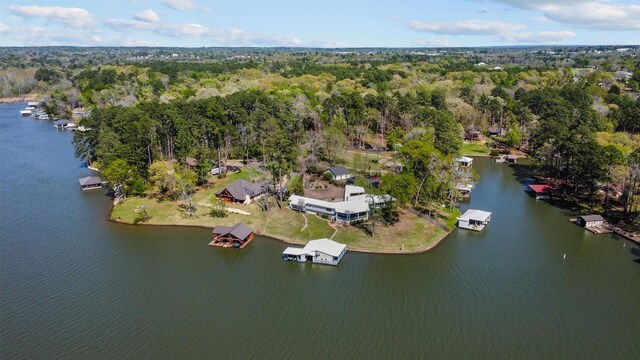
{"x":328,"y":23}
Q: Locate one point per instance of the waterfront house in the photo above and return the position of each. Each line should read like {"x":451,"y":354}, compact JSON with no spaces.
{"x":356,"y":205}
{"x":474,"y":219}
{"x":79,"y":113}
{"x":512,"y":159}
{"x":465,"y":161}
{"x":472,"y":134}
{"x":590,"y":221}
{"x":622,"y":75}
{"x":320,"y":251}
{"x":338,"y":173}
{"x":237,"y":236}
{"x":540,"y":191}
{"x":90,"y":183}
{"x":241,"y":191}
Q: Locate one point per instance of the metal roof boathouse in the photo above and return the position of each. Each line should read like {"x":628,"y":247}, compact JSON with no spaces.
{"x":320,"y":251}
{"x":474,"y":219}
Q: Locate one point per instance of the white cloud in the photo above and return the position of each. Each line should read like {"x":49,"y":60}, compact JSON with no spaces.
{"x":541,"y":19}
{"x":123,"y":24}
{"x":232,"y":37}
{"x":148,"y":16}
{"x":38,"y":36}
{"x":469,"y":27}
{"x":589,"y":14}
{"x":4,"y":28}
{"x":180,"y":30}
{"x":227,"y":37}
{"x":539,"y":37}
{"x":166,"y":29}
{"x":71,"y":16}
{"x":433,"y":43}
{"x":183,"y":5}
{"x":483,"y":11}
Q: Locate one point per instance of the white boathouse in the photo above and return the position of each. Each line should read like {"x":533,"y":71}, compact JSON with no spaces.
{"x":465,"y":161}
{"x":320,"y":251}
{"x":474,"y":219}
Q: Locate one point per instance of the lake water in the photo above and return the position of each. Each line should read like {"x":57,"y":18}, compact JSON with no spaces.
{"x":74,"y":285}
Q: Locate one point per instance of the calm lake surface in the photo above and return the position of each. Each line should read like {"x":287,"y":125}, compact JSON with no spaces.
{"x":74,"y":285}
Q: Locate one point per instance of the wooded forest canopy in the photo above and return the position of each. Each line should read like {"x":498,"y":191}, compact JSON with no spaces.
{"x":294,"y":111}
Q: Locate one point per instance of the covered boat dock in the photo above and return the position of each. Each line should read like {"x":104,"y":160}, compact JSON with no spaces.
{"x":474,"y":219}
{"x":91,"y":183}
{"x":320,"y":251}
{"x":541,"y":191}
{"x":231,"y":236}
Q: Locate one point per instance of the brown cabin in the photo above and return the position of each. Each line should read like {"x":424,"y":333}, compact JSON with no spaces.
{"x":237,"y":236}
{"x":241,"y":191}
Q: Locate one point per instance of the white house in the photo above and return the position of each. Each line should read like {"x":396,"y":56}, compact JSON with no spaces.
{"x":465,"y":161}
{"x":474,"y":219}
{"x":338,"y":173}
{"x":356,"y":205}
{"x":321,"y":251}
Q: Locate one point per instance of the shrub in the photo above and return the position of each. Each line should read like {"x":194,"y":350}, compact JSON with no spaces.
{"x":494,"y":152}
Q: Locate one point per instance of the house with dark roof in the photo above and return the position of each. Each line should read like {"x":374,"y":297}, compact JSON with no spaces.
{"x":241,"y":191}
{"x":338,"y":173}
{"x":231,"y":236}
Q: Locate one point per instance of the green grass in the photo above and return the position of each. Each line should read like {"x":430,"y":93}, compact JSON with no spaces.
{"x":168,"y":212}
{"x":364,"y":161}
{"x":288,"y":224}
{"x":291,"y":182}
{"x":410,"y":234}
{"x":474,"y":149}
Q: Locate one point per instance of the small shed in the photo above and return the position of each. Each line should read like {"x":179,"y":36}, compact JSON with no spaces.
{"x":320,"y":251}
{"x":474,"y":219}
{"x":237,"y":236}
{"x":465,"y":161}
{"x":590,"y":221}
{"x":338,"y":172}
{"x":90,"y":183}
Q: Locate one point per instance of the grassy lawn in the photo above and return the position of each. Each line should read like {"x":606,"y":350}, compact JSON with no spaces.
{"x":169,"y":213}
{"x":410,"y":234}
{"x":474,"y":149}
{"x":287,"y":224}
{"x":364,"y":161}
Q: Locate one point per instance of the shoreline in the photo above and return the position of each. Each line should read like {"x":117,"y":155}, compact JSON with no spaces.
{"x":289,"y":241}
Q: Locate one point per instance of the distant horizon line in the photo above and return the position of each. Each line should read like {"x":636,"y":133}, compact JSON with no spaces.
{"x":314,"y":48}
